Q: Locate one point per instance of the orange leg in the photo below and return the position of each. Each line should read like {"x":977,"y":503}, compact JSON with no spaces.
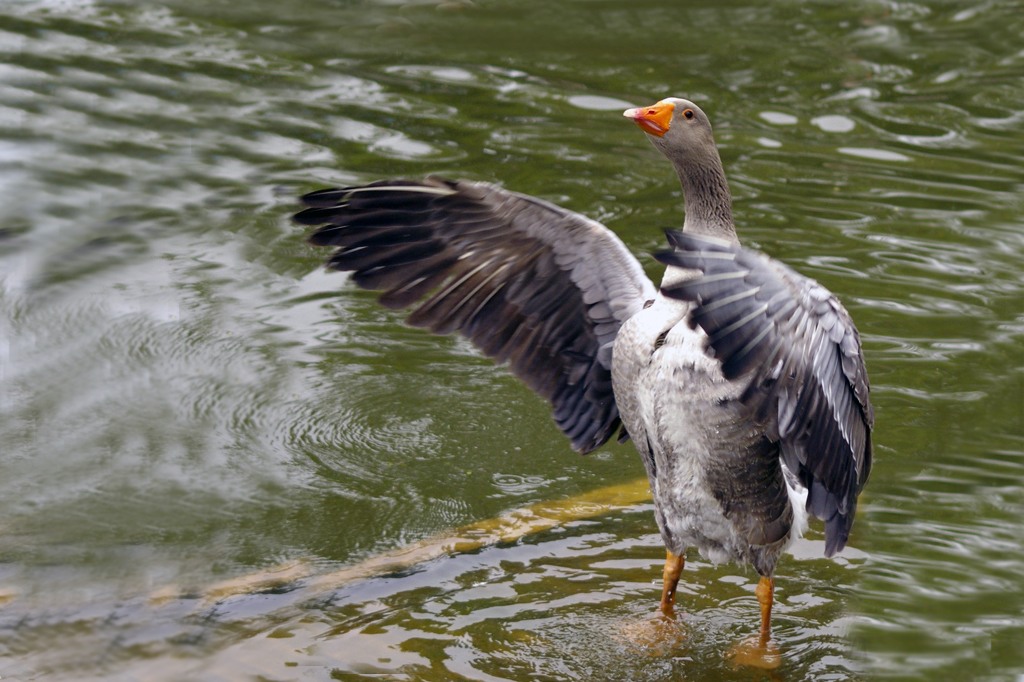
{"x":765,"y":596}
{"x":670,"y":576}
{"x":759,"y":651}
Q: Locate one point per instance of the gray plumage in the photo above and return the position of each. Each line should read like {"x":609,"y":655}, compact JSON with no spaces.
{"x":799,"y":354}
{"x":741,"y":382}
{"x":513,"y":274}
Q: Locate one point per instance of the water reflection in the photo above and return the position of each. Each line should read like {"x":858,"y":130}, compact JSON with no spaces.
{"x":185,"y":398}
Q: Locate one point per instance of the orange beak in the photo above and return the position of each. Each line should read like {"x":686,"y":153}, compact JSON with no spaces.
{"x":655,"y":119}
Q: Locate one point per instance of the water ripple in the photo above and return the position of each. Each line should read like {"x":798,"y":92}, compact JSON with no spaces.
{"x":186,"y":396}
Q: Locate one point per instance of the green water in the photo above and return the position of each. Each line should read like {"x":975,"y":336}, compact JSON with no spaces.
{"x":187,"y":397}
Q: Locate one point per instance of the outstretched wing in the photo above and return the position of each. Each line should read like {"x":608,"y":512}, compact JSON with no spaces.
{"x":802,"y":352}
{"x":529,"y":283}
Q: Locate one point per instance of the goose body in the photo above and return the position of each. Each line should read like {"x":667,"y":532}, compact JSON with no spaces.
{"x":700,"y":452}
{"x":741,"y":383}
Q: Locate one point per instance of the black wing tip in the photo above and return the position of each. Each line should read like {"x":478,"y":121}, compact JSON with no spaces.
{"x":675,"y":237}
{"x":589,"y":444}
{"x":322,"y":198}
{"x":687,"y":249}
{"x":837,"y":525}
{"x":667,"y":257}
{"x":326,"y":205}
{"x":684,"y":258}
{"x":318,"y":206}
{"x":312,"y":217}
{"x":837,"y":533}
{"x":320,"y":237}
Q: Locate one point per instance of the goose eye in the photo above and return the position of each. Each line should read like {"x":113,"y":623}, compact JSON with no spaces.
{"x":688,"y":113}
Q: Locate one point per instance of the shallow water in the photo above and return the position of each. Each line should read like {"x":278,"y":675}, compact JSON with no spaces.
{"x":188,"y":398}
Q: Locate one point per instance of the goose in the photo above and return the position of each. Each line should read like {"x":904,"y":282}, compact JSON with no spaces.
{"x":741,"y":383}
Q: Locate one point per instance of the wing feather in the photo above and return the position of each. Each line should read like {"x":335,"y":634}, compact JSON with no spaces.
{"x":529,"y":283}
{"x":799,"y":351}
